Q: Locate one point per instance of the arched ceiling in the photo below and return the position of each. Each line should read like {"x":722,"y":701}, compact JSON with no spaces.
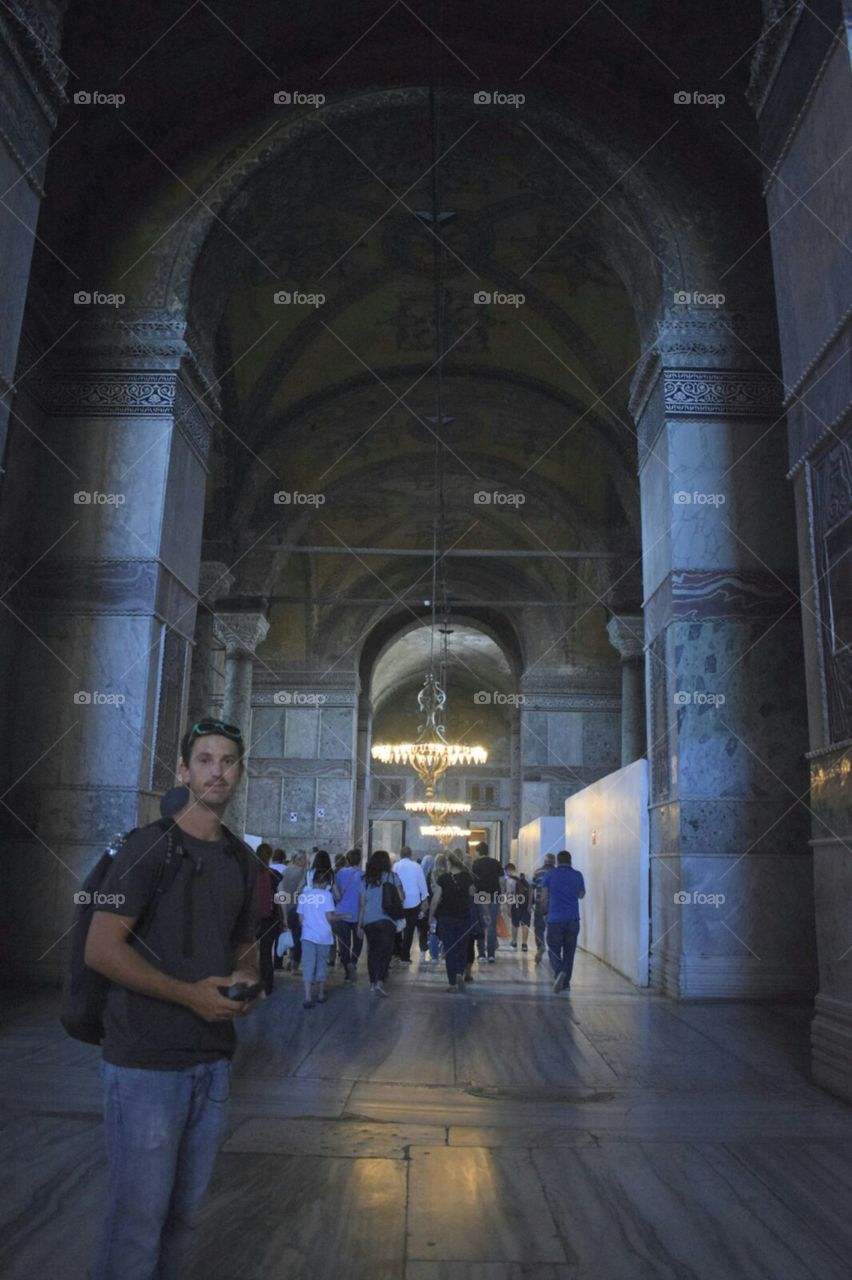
{"x":473,"y":657}
{"x":575,"y":201}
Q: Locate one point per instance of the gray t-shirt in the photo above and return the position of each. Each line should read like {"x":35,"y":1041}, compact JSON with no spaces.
{"x":217,"y":888}
{"x":372,"y":895}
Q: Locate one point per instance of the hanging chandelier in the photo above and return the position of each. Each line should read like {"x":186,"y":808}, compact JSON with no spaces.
{"x":437,"y":809}
{"x":445,"y":833}
{"x":431,"y":755}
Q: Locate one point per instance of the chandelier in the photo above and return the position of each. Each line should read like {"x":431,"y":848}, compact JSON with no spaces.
{"x":437,"y":809}
{"x":431,"y":755}
{"x":446,"y":832}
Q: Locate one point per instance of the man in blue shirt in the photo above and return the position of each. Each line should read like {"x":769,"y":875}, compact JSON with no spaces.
{"x":561,"y":893}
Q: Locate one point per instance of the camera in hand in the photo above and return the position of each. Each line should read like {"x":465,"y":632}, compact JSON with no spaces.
{"x":241,"y":990}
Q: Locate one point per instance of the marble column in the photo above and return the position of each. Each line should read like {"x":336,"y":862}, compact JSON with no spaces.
{"x":626,"y":633}
{"x":214,"y":583}
{"x":731,"y":871}
{"x":240,"y":631}
{"x":32,"y":93}
{"x":102,"y":611}
{"x":801,"y":95}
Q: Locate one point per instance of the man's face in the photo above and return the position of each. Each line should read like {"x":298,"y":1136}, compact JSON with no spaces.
{"x":213,"y":770}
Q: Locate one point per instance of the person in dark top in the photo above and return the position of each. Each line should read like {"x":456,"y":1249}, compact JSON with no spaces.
{"x":520,"y":910}
{"x":488,"y":878}
{"x":169,"y":1033}
{"x":450,"y":906}
{"x":562,"y":890}
{"x":539,"y":915}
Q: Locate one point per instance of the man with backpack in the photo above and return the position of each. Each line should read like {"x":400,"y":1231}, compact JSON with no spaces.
{"x":175,"y":926}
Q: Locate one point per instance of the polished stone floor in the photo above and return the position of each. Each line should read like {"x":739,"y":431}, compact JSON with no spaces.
{"x":503,"y":1133}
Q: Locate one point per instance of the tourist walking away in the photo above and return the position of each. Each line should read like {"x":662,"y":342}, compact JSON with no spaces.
{"x":374,"y":921}
{"x":519,"y":910}
{"x":349,"y":942}
{"x":488,"y":879}
{"x":415,"y":898}
{"x":289,"y":887}
{"x":175,"y":932}
{"x":268,"y":917}
{"x":539,"y":916}
{"x":437,"y":864}
{"x":450,"y":907}
{"x":562,"y":888}
{"x":317,"y":915}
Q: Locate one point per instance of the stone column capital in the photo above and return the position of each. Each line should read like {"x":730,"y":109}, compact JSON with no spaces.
{"x":626,"y":633}
{"x":214,"y":581}
{"x":241,"y":631}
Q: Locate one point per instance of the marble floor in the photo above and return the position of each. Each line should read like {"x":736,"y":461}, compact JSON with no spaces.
{"x":504,"y":1133}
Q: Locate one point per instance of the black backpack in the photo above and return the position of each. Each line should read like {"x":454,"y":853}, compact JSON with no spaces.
{"x":84,"y":991}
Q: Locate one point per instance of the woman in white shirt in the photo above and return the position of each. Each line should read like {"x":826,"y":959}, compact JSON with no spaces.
{"x":316,"y":913}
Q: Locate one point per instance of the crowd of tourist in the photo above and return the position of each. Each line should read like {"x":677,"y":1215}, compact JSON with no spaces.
{"x":315,"y":913}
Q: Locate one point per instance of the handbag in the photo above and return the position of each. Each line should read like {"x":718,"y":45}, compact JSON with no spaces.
{"x":284,"y":942}
{"x":392,"y":901}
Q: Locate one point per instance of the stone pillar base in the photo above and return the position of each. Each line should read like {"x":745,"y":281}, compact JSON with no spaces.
{"x":690,"y":977}
{"x":831,"y":1039}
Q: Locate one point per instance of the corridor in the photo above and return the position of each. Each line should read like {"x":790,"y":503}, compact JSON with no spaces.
{"x":499,"y":1134}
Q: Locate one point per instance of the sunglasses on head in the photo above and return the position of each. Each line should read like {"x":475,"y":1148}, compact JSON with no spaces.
{"x":216,"y":726}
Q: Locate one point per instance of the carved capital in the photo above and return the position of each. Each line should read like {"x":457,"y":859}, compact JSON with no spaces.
{"x":214,"y":581}
{"x":627,"y":634}
{"x":240,"y":631}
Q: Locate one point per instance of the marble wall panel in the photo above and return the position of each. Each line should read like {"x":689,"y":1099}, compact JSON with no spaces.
{"x":337,"y":728}
{"x":183,"y":511}
{"x":656,"y":499}
{"x":298,"y":796}
{"x":601,"y":739}
{"x":301,"y":732}
{"x":126,"y":459}
{"x":263,"y":808}
{"x":268,"y":732}
{"x":334,"y":798}
{"x":717,"y":506}
{"x":565,"y":737}
{"x":534,"y":737}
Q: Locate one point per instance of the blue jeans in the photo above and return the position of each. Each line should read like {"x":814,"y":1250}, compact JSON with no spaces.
{"x":561,"y":945}
{"x":314,"y":960}
{"x":488,"y":911}
{"x":163,"y":1131}
{"x":453,"y":933}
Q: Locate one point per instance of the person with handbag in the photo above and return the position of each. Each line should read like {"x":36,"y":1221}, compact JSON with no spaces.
{"x":379,"y":913}
{"x":450,"y":908}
